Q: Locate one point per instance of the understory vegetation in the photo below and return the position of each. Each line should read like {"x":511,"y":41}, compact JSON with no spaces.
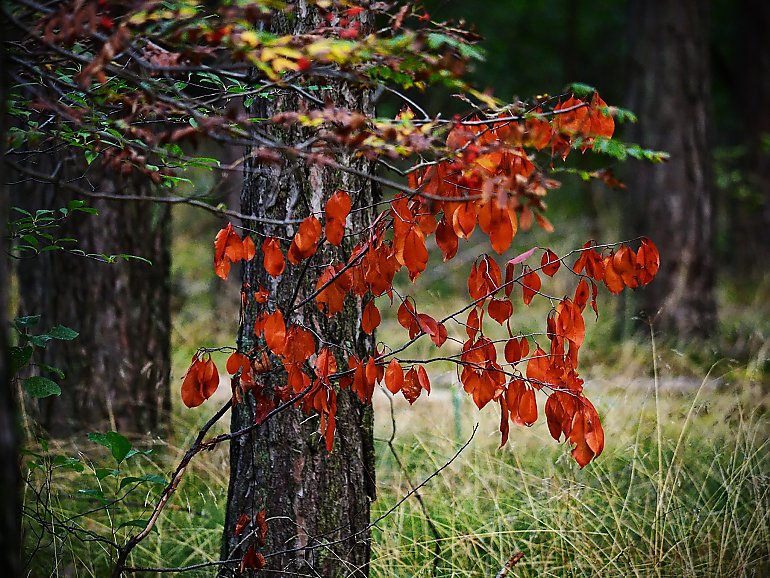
{"x":682,"y":489}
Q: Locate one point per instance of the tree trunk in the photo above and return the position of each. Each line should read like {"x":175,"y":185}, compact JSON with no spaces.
{"x":750,"y":208}
{"x":117,"y":371}
{"x":10,"y":478}
{"x":311,"y":497}
{"x":672,"y":202}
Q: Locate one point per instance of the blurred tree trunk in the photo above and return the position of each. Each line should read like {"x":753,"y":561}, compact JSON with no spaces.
{"x":672,"y":202}
{"x":750,"y":210}
{"x":310,"y":496}
{"x":117,"y":370}
{"x":10,"y":479}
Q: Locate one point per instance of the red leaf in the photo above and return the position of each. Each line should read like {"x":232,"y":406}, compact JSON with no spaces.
{"x":530,"y":284}
{"x":273,"y":257}
{"x":261,"y":295}
{"x":537,"y":368}
{"x":521,"y":403}
{"x":411,"y":387}
{"x":504,"y":424}
{"x":612,"y":279}
{"x":550,"y":263}
{"x":262,"y":529}
{"x":238,"y":361}
{"x":415,"y":255}
{"x":394,"y":377}
{"x":513,"y":351}
{"x":446,"y":239}
{"x":224,"y":238}
{"x":500,"y":310}
{"x":337,"y":210}
{"x":275,"y":332}
{"x":338,"y":206}
{"x":252,"y":560}
{"x":249,"y":250}
{"x":581,"y":294}
{"x":201,"y":380}
{"x":370,"y":318}
{"x":305,"y":242}
{"x":422,"y":378}
{"x":601,"y":124}
{"x":241,"y":524}
{"x":464,"y":219}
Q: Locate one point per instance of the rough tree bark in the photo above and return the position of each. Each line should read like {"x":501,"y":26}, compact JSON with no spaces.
{"x":310,"y":497}
{"x":672,"y":202}
{"x":117,"y":370}
{"x":750,"y":212}
{"x":10,"y":479}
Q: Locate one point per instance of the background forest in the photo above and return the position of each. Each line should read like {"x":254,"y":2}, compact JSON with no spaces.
{"x":679,"y":371}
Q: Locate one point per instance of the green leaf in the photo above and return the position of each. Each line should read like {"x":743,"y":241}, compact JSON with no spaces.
{"x":580,"y":89}
{"x":38,"y":386}
{"x":98,"y":494}
{"x":102,"y":473}
{"x":135,"y":452}
{"x":68,"y":463}
{"x":19,"y":357}
{"x":27,"y":321}
{"x":50,"y":368}
{"x":148,"y":478}
{"x":116,"y":443}
{"x":63,"y":333}
{"x":40,"y":340}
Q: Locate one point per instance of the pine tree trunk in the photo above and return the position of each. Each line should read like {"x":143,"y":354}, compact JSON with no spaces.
{"x":750,"y":210}
{"x":117,"y":371}
{"x":311,"y":497}
{"x":672,"y":202}
{"x":10,"y":478}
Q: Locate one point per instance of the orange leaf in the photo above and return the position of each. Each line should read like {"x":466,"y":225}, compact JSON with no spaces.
{"x":249,"y":250}
{"x":537,"y":368}
{"x":305,"y":242}
{"x":299,"y":345}
{"x":530,"y":284}
{"x":394,"y":377}
{"x":273,"y":257}
{"x":601,"y":124}
{"x":521,"y":403}
{"x":370,"y":318}
{"x":513,"y":352}
{"x":415,"y":253}
{"x":335,"y":231}
{"x":275,"y":332}
{"x":261,"y":523}
{"x":422,"y":378}
{"x":338,"y":206}
{"x":581,"y":294}
{"x":612,"y":278}
{"x":411,"y":387}
{"x":200,"y":381}
{"x":221,"y":262}
{"x":238,"y":361}
{"x":241,"y":524}
{"x":550,"y":263}
{"x":464,"y":219}
{"x":252,"y":560}
{"x":446,"y":239}
{"x":261,"y":295}
{"x":500,"y":310}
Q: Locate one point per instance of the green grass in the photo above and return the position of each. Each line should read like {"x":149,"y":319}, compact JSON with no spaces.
{"x":682,"y":489}
{"x":682,"y":496}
